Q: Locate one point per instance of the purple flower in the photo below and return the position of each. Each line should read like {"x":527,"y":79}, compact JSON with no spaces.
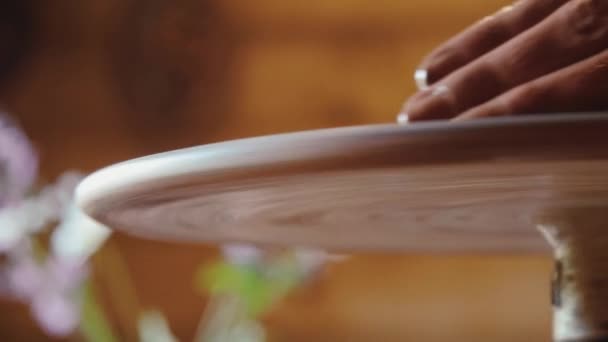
{"x":18,"y":162}
{"x":50,"y":288}
{"x":24,"y":274}
{"x":56,"y":314}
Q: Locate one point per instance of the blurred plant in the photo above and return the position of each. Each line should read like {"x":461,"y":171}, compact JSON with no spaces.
{"x":49,"y":279}
{"x":18,"y":162}
{"x":53,"y":278}
{"x":246,"y":284}
{"x":153,"y":327}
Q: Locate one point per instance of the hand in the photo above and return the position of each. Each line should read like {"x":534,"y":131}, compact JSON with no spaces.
{"x":537,"y":56}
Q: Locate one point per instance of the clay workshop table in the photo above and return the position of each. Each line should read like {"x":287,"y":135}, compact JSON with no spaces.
{"x":534,"y":184}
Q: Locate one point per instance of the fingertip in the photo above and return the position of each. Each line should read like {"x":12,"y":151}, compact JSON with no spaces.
{"x":438,"y":65}
{"x":404,"y":115}
{"x":477,"y":40}
{"x":431,"y":104}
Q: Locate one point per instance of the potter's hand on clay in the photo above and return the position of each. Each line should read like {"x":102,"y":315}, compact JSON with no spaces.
{"x":537,"y":56}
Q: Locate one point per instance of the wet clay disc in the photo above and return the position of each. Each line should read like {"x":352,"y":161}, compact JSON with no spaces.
{"x":477,"y":186}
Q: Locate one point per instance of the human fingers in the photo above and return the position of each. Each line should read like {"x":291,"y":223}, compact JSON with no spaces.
{"x":581,"y":87}
{"x":573,"y":33}
{"x":482,"y":37}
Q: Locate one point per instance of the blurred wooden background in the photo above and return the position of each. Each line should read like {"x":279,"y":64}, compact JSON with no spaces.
{"x":109,"y":80}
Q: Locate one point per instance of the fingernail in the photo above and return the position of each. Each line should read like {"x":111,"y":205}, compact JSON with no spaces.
{"x":421,"y":78}
{"x":403,"y":119}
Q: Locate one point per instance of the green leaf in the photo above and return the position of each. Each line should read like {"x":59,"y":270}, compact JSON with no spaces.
{"x":259,"y":286}
{"x":94,"y":324}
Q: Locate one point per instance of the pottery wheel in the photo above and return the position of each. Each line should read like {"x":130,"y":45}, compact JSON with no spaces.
{"x":478,"y":186}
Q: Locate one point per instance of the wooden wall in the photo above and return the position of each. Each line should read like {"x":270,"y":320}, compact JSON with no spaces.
{"x":110,"y":80}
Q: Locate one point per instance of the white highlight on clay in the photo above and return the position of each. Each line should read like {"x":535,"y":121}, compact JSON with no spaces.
{"x":421,"y":78}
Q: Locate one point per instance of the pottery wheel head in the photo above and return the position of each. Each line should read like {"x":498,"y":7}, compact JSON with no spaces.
{"x":477,"y":186}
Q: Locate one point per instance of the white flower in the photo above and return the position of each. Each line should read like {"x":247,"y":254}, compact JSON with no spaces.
{"x":153,"y":327}
{"x":78,"y":236}
{"x":33,"y":214}
{"x":242,"y":254}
